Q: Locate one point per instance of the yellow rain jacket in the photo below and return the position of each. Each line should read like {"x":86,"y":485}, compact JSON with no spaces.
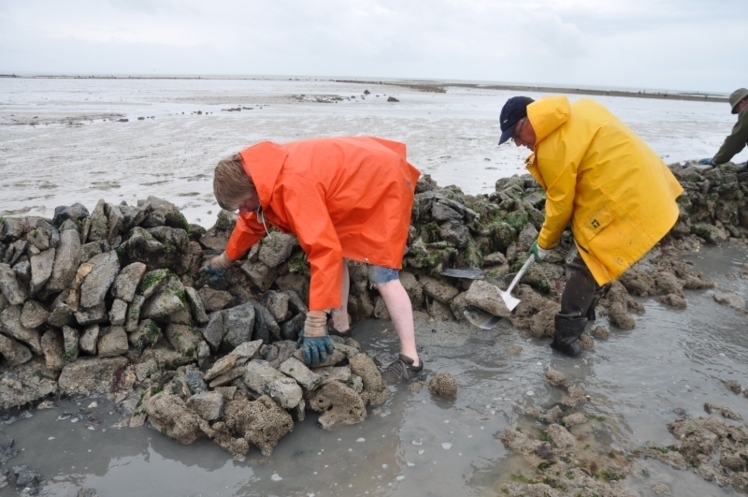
{"x":617,"y":193}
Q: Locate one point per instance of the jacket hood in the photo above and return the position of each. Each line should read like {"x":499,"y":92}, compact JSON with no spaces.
{"x":547,"y":114}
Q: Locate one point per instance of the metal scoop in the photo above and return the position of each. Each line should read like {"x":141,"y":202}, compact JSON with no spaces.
{"x":486,"y":320}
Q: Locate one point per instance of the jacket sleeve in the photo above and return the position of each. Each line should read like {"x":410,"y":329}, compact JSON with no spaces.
{"x":559,"y":167}
{"x":246,"y":233}
{"x":735,"y":142}
{"x":311,"y":223}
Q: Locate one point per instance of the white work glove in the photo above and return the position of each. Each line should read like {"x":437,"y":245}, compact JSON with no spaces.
{"x":539,"y":252}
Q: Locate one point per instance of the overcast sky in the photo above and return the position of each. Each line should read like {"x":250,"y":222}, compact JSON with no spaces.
{"x":697,"y":45}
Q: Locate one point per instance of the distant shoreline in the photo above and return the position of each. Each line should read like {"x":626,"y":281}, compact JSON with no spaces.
{"x":430,"y":86}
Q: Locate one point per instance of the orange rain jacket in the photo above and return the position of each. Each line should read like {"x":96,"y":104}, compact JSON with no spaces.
{"x":598,"y":174}
{"x":343,"y":197}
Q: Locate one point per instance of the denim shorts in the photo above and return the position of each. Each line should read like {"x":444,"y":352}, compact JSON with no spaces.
{"x":379,"y":275}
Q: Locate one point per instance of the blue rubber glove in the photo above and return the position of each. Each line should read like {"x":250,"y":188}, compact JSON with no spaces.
{"x":538,"y":252}
{"x":707,"y":162}
{"x":212,"y":271}
{"x":314,"y":349}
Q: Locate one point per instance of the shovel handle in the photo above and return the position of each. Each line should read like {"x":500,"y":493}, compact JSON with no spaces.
{"x":521,"y":273}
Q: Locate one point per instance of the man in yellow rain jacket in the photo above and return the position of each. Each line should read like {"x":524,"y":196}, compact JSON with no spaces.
{"x":604,"y":181}
{"x":343,"y":198}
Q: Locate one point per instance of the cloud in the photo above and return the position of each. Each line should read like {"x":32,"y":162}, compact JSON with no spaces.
{"x":633,"y":42}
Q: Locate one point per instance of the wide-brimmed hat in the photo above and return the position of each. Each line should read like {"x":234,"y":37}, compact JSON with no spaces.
{"x":514,"y":109}
{"x":737,"y":97}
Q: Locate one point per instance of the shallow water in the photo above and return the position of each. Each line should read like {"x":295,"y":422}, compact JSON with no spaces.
{"x":417,"y":444}
{"x":60,"y":141}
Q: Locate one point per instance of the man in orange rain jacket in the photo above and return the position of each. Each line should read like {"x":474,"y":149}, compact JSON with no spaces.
{"x":343,"y":198}
{"x":604,"y":181}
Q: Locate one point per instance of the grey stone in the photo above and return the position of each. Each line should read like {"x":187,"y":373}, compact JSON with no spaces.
{"x":196,"y":306}
{"x":153,"y":281}
{"x":290,"y":329}
{"x":54,"y":351}
{"x":97,"y":283}
{"x":161,"y":212}
{"x":277,"y":304}
{"x":298,"y":371}
{"x":276,"y":248}
{"x":95,"y":315}
{"x":70,"y":339}
{"x":10,"y":324}
{"x":195,"y":381}
{"x":115,"y":222}
{"x":87,"y":376}
{"x":67,"y":260}
{"x":127,"y":281}
{"x":486,"y":296}
{"x":295,"y":304}
{"x":183,"y":338}
{"x":214,"y":300}
{"x":89,"y":250}
{"x":24,"y":384}
{"x":215,"y":330}
{"x":265,"y":327}
{"x":43,"y":236}
{"x":133,"y":313}
{"x":89,"y":340}
{"x":60,"y":315}
{"x":247,"y":350}
{"x":264,"y":379}
{"x":41,"y":269}
{"x":10,"y":287}
{"x":73,"y":212}
{"x":260,"y":274}
{"x":13,"y":352}
{"x":143,"y":246}
{"x":13,"y":228}
{"x":146,"y":335}
{"x":99,"y":229}
{"x":16,"y":250}
{"x":118,"y":312}
{"x":167,"y":301}
{"x":239,"y":323}
{"x":33,"y":314}
{"x":113,"y":343}
{"x":333,"y":373}
{"x":730,"y":299}
{"x":229,"y":376}
{"x":23,"y":273}
{"x":207,"y":405}
{"x":145,"y":369}
{"x":438,"y":289}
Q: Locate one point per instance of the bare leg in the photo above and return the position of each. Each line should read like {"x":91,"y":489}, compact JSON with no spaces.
{"x":401,"y":311}
{"x":340,"y":319}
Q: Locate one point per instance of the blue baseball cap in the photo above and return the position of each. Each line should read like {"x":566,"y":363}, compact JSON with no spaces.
{"x":514,"y":109}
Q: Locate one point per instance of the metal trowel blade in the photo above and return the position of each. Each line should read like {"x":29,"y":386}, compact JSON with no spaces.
{"x":480,"y":318}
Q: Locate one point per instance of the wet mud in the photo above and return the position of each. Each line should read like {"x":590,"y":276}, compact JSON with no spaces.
{"x":634,"y":386}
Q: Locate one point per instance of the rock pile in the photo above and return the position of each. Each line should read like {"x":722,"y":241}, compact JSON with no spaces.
{"x":112,"y":302}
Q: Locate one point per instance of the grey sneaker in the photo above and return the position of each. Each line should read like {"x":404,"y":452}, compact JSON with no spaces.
{"x":402,"y":370}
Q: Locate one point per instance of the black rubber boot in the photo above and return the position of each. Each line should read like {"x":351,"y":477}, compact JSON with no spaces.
{"x":568,"y":331}
{"x":599,"y":293}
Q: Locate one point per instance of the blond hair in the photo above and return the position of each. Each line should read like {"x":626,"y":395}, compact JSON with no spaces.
{"x":231,"y":185}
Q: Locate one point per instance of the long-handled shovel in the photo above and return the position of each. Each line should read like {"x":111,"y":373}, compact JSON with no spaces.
{"x":486,"y":320}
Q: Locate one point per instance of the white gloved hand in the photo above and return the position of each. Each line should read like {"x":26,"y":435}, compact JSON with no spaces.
{"x":539,"y":252}
{"x":221,"y":261}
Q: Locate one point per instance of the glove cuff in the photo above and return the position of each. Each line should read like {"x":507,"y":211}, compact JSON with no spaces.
{"x":315,"y":324}
{"x":221,"y":262}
